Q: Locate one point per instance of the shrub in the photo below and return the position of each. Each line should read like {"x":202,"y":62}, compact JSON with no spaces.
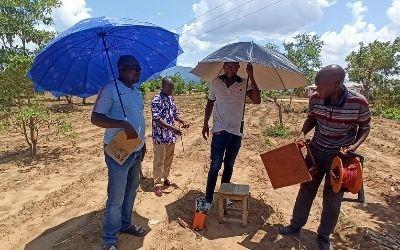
{"x":277,"y":130}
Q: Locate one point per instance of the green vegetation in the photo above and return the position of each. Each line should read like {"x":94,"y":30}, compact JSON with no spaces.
{"x":19,"y":26}
{"x":277,"y":130}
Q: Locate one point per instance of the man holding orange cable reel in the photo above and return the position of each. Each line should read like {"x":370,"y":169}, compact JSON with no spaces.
{"x":341,"y":119}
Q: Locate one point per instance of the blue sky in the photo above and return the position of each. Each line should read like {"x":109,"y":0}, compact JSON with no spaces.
{"x":342,"y":24}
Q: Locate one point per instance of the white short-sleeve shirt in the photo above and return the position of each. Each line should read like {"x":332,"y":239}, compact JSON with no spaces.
{"x":228,"y":105}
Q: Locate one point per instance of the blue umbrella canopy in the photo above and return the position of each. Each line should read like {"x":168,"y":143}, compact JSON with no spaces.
{"x":272,"y":70}
{"x":82,"y":59}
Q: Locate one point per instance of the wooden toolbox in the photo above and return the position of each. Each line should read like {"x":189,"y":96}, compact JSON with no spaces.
{"x":286,"y":166}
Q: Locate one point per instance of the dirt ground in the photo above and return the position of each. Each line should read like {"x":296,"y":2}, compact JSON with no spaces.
{"x":56,"y":200}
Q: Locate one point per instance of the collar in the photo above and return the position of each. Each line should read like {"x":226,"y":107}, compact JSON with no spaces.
{"x":342,"y":101}
{"x":162,"y":94}
{"x":236,"y":78}
{"x":120,"y":83}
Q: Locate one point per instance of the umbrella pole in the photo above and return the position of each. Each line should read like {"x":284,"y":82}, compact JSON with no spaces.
{"x":112,"y":72}
{"x":244,"y":106}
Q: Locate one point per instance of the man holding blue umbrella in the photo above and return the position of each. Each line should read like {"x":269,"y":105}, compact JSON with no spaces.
{"x":80,"y":61}
{"x":123,"y":180}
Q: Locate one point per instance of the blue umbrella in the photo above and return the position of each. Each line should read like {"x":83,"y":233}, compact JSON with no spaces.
{"x":83,"y":58}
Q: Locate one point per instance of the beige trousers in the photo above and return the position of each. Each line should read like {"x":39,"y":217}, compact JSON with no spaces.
{"x":163,"y":155}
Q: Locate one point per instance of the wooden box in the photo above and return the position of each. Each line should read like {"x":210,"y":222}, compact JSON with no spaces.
{"x":286,"y":166}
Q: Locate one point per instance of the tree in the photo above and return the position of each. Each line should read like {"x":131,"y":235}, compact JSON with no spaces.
{"x":373,"y":64}
{"x":272,"y":46}
{"x":20,"y":36}
{"x":179,"y":83}
{"x":305,"y":52}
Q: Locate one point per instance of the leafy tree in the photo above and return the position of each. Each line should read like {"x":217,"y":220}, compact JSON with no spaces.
{"x":305,"y":52}
{"x":373,"y":65}
{"x":20,"y":36}
{"x":180,"y":85}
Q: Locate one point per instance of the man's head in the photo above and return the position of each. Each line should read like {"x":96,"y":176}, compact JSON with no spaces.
{"x":329,"y":80}
{"x":129,"y":69}
{"x":167,"y":86}
{"x":231,"y":68}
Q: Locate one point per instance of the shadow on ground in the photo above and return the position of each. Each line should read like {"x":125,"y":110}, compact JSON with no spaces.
{"x":84,"y":232}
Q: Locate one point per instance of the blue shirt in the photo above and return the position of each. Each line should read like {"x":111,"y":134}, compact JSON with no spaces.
{"x":108,"y":103}
{"x":163,"y":107}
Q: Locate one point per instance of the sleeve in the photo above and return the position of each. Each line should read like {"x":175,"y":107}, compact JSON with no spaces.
{"x":174,"y":108}
{"x":156,"y":108}
{"x":364,"y":117}
{"x":310,"y":112}
{"x":104,"y":100}
{"x":211,"y":93}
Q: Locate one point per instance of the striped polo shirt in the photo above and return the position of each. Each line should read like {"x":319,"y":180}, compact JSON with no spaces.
{"x":337,"y":125}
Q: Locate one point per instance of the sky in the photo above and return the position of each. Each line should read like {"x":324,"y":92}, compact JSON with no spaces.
{"x":206,"y":25}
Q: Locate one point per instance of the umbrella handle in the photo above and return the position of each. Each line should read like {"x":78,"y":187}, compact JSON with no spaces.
{"x":103,"y":35}
{"x":244,"y":106}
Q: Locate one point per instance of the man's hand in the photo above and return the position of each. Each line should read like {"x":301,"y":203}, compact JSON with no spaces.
{"x":130,"y":131}
{"x":206,"y":131}
{"x":144,"y":151}
{"x":249,"y":70}
{"x":185,"y":125}
{"x":300,"y":140}
{"x":348,"y":150}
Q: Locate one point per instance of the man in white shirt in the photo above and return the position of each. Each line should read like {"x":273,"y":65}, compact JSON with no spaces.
{"x":226,"y":98}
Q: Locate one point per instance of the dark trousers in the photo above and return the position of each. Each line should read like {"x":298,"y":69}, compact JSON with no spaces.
{"x":331,"y":201}
{"x":224,"y":148}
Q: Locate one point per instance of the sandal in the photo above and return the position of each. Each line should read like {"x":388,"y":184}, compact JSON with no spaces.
{"x":135,"y":230}
{"x":158,"y":191}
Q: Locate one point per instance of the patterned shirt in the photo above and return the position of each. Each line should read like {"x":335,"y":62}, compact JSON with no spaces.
{"x":337,"y":125}
{"x":163,"y":107}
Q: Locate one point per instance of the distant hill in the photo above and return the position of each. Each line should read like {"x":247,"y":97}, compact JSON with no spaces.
{"x":184,"y":71}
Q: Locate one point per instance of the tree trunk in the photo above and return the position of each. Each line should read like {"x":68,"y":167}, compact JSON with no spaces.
{"x":279,"y":106}
{"x":33,"y":135}
{"x":69,"y":99}
{"x":26,"y":135}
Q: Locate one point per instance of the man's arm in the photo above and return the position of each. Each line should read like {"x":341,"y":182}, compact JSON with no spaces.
{"x":308,"y":125}
{"x":103,"y":121}
{"x":167,"y":126}
{"x":207,"y":114}
{"x":364,"y":120}
{"x":102,"y":107}
{"x":181,"y":121}
{"x":254,"y":94}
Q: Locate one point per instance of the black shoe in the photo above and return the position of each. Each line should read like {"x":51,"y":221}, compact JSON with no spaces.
{"x":324,"y":243}
{"x":289,"y":230}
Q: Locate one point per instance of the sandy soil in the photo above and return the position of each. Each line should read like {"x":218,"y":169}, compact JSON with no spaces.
{"x":56,"y":200}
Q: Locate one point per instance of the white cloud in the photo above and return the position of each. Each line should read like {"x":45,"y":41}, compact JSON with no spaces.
{"x":394,"y":12}
{"x":337,"y":45}
{"x":291,"y":16}
{"x":69,"y":13}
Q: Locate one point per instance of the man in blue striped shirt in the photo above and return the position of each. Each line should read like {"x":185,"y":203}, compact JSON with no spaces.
{"x":341,"y":119}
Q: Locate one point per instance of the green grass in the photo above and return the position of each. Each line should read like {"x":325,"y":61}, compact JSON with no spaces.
{"x":277,"y":131}
{"x":66,"y":129}
{"x":3,"y":127}
{"x":390,"y":113}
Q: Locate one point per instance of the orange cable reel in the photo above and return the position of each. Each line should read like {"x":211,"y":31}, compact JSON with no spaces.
{"x":346,"y":175}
